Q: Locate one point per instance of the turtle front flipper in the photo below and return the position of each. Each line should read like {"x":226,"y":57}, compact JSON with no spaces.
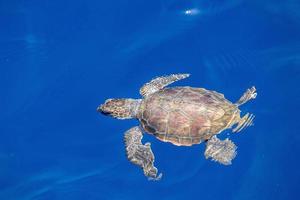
{"x":160,"y":82}
{"x":140,"y":154}
{"x":220,"y":151}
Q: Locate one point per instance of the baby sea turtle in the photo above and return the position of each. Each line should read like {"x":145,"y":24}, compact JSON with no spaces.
{"x":181,"y":115}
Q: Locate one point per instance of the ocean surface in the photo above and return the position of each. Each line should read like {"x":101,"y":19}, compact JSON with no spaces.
{"x":60,"y":59}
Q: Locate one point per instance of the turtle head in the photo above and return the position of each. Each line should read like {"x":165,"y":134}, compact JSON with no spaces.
{"x":120,"y":108}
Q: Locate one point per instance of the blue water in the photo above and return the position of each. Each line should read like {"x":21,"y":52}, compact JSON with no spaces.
{"x":60,"y":59}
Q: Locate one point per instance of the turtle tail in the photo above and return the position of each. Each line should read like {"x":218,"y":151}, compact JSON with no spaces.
{"x":244,"y":122}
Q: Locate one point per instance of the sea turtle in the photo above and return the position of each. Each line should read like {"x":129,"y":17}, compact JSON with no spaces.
{"x":181,"y":115}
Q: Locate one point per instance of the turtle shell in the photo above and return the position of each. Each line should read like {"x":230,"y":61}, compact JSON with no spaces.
{"x":185,"y":115}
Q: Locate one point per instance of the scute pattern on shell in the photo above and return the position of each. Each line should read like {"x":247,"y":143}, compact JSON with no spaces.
{"x":185,"y":115}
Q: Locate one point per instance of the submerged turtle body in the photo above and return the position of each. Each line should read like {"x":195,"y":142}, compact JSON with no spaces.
{"x":181,"y":115}
{"x":186,"y":115}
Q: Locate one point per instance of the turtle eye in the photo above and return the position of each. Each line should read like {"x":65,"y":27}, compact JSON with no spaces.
{"x":108,"y":101}
{"x":115,"y":102}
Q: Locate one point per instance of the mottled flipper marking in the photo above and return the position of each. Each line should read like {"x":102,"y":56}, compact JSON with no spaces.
{"x":160,"y":82}
{"x":220,"y":151}
{"x":248,"y":95}
{"x":140,"y":154}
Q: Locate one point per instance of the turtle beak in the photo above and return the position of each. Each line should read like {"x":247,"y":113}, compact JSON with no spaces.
{"x":100,"y":109}
{"x":103,"y":109}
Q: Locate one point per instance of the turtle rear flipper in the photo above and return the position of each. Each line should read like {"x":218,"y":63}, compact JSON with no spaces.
{"x":160,"y":82}
{"x":220,"y":151}
{"x":140,"y":154}
{"x":248,"y":95}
